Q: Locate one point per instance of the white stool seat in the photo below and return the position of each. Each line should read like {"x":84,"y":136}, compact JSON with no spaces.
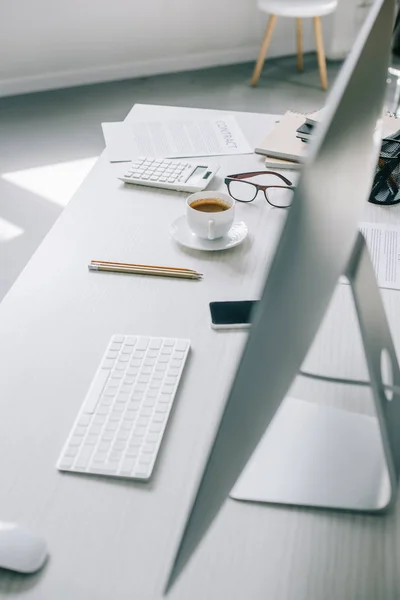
{"x":298,"y":8}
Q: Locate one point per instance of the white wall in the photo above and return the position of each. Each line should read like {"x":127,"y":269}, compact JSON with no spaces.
{"x":56,"y":43}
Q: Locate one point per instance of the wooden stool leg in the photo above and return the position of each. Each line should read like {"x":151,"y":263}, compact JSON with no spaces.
{"x":299,"y":30}
{"x":320,"y":52}
{"x":263,"y":50}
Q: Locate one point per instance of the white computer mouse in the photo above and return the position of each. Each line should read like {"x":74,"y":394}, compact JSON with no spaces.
{"x":21,"y":550}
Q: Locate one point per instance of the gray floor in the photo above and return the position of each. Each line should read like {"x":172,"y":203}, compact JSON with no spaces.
{"x":64,"y":125}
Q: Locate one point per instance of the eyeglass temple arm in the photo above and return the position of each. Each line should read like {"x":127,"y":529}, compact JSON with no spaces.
{"x":254,"y":173}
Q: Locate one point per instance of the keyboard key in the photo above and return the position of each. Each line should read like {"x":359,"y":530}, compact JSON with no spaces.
{"x":173,"y":371}
{"x":130,"y":416}
{"x":127,"y":349}
{"x":149,"y":448}
{"x":95,"y":390}
{"x":166,"y":350}
{"x":84,"y":457}
{"x":95,"y":429}
{"x":168,"y":342}
{"x":164,"y":398}
{"x":71,"y":451}
{"x":155,"y":427}
{"x":110,"y":390}
{"x":155,"y":343}
{"x":100,"y":457}
{"x":111,"y":426}
{"x":80,"y":430}
{"x":107,"y":363}
{"x":104,"y":446}
{"x":127,"y":466}
{"x":142,"y":470}
{"x":104,"y":469}
{"x":116,"y":377}
{"x":159,"y":375}
{"x":130,"y":340}
{"x":159,"y":417}
{"x":115,"y":346}
{"x":75,"y":440}
{"x":66,"y":462}
{"x":181,"y":345}
{"x":132,"y":452}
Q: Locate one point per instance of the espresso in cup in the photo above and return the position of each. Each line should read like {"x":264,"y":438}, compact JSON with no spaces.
{"x":210,"y":205}
{"x":210,"y":214}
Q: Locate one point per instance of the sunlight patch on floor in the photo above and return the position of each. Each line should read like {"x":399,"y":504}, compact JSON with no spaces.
{"x":8,"y":230}
{"x":57,"y":182}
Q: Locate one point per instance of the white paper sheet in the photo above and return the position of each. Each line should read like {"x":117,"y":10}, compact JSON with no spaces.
{"x":383,"y":242}
{"x":175,"y":139}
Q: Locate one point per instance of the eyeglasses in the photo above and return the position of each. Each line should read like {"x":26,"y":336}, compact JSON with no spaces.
{"x":279,"y":196}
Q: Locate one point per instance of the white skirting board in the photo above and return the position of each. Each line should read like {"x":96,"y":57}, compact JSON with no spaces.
{"x":140,"y":68}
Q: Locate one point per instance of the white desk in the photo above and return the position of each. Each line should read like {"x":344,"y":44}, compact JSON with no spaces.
{"x":112,"y":540}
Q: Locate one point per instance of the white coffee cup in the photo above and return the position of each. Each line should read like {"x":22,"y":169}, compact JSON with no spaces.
{"x":210,"y":225}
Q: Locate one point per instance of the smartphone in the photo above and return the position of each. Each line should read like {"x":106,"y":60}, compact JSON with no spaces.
{"x":231,"y":315}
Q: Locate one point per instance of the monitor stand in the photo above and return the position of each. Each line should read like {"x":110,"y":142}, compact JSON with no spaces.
{"x":315,"y":455}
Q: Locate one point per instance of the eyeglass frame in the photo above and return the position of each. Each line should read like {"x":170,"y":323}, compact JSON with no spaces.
{"x":259,"y":188}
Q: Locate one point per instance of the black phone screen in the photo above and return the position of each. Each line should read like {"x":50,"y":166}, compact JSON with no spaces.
{"x":232,"y":313}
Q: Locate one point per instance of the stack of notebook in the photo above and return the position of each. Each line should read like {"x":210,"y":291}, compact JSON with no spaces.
{"x":307,"y":128}
{"x":282,"y":148}
{"x":285,"y":147}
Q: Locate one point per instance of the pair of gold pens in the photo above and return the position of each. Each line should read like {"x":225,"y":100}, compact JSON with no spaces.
{"x":139,"y":269}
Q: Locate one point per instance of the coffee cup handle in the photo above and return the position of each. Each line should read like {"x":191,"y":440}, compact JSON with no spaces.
{"x":211,"y":232}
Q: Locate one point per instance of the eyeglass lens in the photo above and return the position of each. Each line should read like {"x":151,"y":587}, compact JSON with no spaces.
{"x":242,"y":190}
{"x":279,"y":196}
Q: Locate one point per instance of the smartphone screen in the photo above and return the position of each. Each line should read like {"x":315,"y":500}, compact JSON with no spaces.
{"x":231,"y":314}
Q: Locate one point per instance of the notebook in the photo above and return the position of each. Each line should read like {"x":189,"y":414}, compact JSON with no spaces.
{"x":280,"y":164}
{"x":282,"y":142}
{"x":315,"y":117}
{"x":305,"y":131}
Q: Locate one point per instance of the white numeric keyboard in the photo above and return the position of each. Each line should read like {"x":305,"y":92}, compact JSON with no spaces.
{"x":121,"y":423}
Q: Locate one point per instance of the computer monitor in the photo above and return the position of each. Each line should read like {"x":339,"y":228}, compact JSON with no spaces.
{"x":314,"y":250}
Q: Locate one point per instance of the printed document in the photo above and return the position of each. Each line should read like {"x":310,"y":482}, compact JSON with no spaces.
{"x":383,"y":242}
{"x":175,"y":138}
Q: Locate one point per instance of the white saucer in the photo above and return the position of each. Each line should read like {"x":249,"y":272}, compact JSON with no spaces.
{"x":182,"y":234}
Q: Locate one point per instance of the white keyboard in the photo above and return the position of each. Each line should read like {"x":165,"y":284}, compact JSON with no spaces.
{"x":170,"y":174}
{"x":121,"y":423}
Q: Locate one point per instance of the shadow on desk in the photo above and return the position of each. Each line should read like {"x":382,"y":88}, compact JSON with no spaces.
{"x":24,"y":582}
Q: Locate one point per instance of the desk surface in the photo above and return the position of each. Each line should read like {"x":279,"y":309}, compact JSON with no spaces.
{"x":113,"y":539}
